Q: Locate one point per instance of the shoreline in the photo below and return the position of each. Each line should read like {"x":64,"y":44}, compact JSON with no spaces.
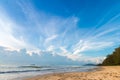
{"x":101,"y":73}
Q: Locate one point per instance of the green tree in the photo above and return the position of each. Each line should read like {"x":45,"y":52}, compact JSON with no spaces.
{"x":113,"y":59}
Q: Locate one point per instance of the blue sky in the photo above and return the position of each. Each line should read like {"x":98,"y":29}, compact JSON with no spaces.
{"x":58,"y":31}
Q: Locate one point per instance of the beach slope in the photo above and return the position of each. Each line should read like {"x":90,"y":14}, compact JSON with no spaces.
{"x":103,"y":73}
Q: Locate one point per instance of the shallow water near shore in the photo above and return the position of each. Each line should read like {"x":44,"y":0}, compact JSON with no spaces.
{"x":20,"y":72}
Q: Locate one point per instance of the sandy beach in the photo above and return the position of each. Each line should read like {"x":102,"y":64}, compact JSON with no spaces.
{"x":103,"y":73}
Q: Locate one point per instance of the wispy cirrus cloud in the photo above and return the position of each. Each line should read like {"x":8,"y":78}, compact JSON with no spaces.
{"x":6,"y":32}
{"x":43,"y":33}
{"x":8,"y":39}
{"x":47,"y":40}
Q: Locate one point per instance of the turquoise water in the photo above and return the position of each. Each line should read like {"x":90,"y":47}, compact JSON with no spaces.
{"x":19,"y":72}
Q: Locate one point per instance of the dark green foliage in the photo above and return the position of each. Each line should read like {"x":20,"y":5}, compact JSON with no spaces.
{"x":112,"y":59}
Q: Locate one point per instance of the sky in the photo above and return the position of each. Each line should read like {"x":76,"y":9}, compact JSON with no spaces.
{"x":58,"y":31}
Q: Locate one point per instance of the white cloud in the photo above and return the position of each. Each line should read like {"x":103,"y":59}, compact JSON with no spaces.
{"x":63,"y":50}
{"x":49,"y":26}
{"x":6,"y":32}
{"x":96,"y":60}
{"x":58,"y":31}
{"x":51,"y":38}
{"x":7,"y":38}
{"x":68,"y":54}
{"x":80,"y":57}
{"x":51,"y":48}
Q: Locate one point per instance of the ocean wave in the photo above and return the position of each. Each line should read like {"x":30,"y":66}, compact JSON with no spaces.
{"x":4,"y":72}
{"x":21,"y":69}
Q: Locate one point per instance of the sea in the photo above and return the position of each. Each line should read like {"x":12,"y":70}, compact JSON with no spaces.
{"x":20,"y":72}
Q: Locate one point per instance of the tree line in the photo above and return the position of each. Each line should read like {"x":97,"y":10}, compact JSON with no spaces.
{"x":112,"y":59}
